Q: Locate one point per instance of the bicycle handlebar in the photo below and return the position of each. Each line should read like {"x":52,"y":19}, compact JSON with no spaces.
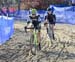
{"x":28,"y":28}
{"x":25,"y":28}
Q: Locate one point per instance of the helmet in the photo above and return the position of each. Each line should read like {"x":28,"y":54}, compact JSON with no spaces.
{"x":33,"y":11}
{"x":49,"y":9}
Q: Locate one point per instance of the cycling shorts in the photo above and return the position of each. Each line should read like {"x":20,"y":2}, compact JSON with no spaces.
{"x":36,"y":25}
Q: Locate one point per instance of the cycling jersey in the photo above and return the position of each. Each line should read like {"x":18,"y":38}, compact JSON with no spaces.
{"x":51,"y":18}
{"x":35,"y":21}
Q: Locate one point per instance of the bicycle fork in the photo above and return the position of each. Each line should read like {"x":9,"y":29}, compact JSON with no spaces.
{"x":35,"y":38}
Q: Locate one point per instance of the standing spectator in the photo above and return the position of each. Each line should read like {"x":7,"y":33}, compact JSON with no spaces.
{"x":73,"y":2}
{"x":68,"y":2}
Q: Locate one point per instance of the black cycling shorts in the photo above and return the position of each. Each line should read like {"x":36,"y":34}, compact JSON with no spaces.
{"x":36,"y":25}
{"x":52,"y":23}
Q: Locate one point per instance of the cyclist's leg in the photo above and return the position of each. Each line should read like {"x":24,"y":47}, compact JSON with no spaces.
{"x":52,"y":25}
{"x":37,"y":27}
{"x":39,"y":35}
{"x":35,"y":24}
{"x":52,"y":31}
{"x":39,"y":39}
{"x":46,"y":25}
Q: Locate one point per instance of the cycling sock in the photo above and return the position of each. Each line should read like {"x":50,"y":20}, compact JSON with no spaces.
{"x":47,"y":30}
{"x":53,"y":37}
{"x":39,"y":46}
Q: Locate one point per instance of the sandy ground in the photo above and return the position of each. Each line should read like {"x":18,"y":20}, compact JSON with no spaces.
{"x":17,"y":49}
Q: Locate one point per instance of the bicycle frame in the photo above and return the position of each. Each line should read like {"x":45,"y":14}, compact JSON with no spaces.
{"x":35,"y":37}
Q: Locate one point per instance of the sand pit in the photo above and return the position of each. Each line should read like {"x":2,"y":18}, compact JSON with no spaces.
{"x":17,"y":49}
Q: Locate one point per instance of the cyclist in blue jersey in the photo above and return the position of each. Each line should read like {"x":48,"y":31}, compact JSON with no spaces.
{"x":51,"y":19}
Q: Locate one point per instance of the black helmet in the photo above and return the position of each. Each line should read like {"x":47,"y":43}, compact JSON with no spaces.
{"x":49,"y":9}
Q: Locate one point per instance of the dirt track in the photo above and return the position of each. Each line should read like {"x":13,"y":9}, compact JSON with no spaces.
{"x":17,"y":49}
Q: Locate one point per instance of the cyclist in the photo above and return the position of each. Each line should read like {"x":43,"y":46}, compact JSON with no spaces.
{"x":36,"y":23}
{"x":51,"y":19}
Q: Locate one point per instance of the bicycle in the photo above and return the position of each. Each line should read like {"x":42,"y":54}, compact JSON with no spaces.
{"x":51,"y":35}
{"x":34,"y":44}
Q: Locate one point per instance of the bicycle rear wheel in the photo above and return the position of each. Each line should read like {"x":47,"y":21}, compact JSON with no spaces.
{"x":32,"y":48}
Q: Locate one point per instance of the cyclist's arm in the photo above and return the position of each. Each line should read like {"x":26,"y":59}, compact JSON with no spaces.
{"x":54,"y":18}
{"x":29,"y":21}
{"x":46,"y":21}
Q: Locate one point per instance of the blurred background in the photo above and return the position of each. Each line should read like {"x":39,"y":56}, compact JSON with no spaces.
{"x":26,"y":4}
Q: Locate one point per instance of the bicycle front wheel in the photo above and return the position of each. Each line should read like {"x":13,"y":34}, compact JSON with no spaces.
{"x":32,"y":48}
{"x":33,"y":43}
